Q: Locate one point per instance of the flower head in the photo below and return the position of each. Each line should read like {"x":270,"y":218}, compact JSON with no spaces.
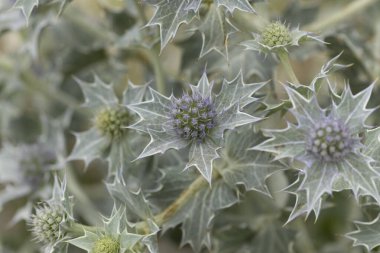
{"x":193,"y":117}
{"x":106,"y":244}
{"x":277,"y":37}
{"x":328,"y":142}
{"x":198,"y":120}
{"x":109,"y":138}
{"x":276,"y":34}
{"x":112,"y":122}
{"x":45,"y":223}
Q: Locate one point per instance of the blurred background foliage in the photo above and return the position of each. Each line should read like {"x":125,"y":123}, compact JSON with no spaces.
{"x":108,"y":37}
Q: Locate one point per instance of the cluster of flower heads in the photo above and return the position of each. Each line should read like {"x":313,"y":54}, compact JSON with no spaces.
{"x":193,"y":117}
{"x":331,"y":140}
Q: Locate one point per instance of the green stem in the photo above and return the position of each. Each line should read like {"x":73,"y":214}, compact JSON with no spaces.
{"x":76,"y":229}
{"x":305,"y":241}
{"x":84,"y":204}
{"x":154,"y":60}
{"x":140,"y":9}
{"x":346,"y":13}
{"x":183,"y":199}
{"x":284,"y":58}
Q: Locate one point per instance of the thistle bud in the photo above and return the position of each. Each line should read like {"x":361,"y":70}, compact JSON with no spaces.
{"x":110,"y":122}
{"x":46,"y":223}
{"x":106,"y":244}
{"x":276,"y":34}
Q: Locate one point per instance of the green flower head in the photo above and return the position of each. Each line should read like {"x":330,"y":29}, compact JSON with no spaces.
{"x":111,"y":122}
{"x":106,"y":244}
{"x":276,"y":34}
{"x":46,"y":222}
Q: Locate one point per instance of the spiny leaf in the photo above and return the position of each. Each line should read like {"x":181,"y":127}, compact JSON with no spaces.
{"x":367,"y":234}
{"x":231,"y":5}
{"x":169,"y":16}
{"x":26,"y":7}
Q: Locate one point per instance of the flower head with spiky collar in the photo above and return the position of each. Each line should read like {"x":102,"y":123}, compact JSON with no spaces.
{"x":198,"y":119}
{"x":114,"y":238}
{"x":109,"y":137}
{"x":276,"y":37}
{"x":328,"y":142}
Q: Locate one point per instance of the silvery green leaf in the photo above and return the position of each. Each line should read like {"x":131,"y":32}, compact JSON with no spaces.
{"x":89,"y":145}
{"x":244,"y":166}
{"x":169,"y":16}
{"x":85,"y":242}
{"x":134,"y":202}
{"x":215,"y":31}
{"x":231,"y":5}
{"x":162,"y":141}
{"x":26,"y":7}
{"x":134,"y":93}
{"x":352,"y":108}
{"x":197,"y":215}
{"x":328,"y":68}
{"x":367,"y":234}
{"x":288,"y":142}
{"x":202,"y":156}
{"x":153,"y":113}
{"x":236,"y":91}
{"x":97,"y":94}
{"x":273,"y":238}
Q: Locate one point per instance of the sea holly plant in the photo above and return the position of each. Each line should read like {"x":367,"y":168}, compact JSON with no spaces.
{"x":235,"y":160}
{"x":198,"y":120}
{"x":108,"y":138}
{"x":170,"y":15}
{"x":113,"y":238}
{"x":328,"y":141}
{"x":50,"y":217}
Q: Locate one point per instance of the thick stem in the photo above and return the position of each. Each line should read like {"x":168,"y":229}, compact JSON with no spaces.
{"x":154,"y":60}
{"x":284,"y":58}
{"x":84,"y":204}
{"x":305,"y":240}
{"x":76,"y":229}
{"x":182,"y":200}
{"x":346,"y":13}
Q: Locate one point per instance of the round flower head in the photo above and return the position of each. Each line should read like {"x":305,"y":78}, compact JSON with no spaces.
{"x":106,"y":244}
{"x":276,"y":34}
{"x":110,"y":122}
{"x":46,"y":222}
{"x":330,"y":141}
{"x":193,"y":117}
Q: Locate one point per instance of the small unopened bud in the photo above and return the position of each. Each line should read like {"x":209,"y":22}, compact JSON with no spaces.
{"x":106,"y":244}
{"x":276,"y":34}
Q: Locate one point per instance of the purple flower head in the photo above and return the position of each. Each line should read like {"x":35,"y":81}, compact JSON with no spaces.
{"x":194,"y":116}
{"x":330,"y":141}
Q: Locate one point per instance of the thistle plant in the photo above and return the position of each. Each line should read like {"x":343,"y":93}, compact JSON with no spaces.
{"x":109,"y":137}
{"x":198,"y":120}
{"x":328,"y":143}
{"x":239,"y":131}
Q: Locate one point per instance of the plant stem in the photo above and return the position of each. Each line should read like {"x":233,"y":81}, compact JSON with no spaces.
{"x":346,"y":13}
{"x":76,"y":229}
{"x":154,"y":60}
{"x":84,"y":204}
{"x":307,"y":244}
{"x":184,"y":197}
{"x":140,"y":9}
{"x":284,"y":58}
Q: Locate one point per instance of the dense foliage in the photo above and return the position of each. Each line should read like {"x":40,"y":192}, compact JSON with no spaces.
{"x":224,"y":126}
